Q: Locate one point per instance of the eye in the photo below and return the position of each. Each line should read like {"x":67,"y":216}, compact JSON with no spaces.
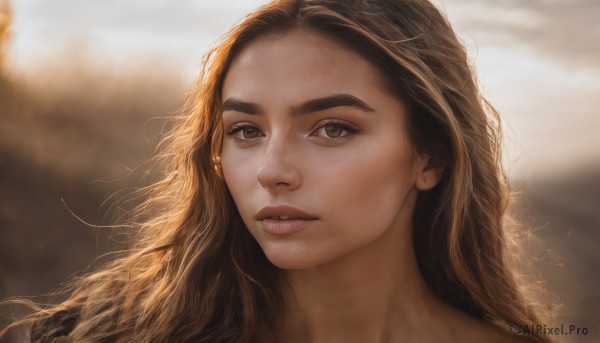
{"x":333,"y":129}
{"x":244,"y":132}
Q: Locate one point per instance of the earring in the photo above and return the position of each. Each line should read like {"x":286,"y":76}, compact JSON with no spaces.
{"x":216,"y":161}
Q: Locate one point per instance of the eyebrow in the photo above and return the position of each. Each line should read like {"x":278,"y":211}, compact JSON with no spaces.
{"x":311,"y":106}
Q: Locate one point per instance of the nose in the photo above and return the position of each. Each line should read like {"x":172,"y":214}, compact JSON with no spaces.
{"x":278,"y":171}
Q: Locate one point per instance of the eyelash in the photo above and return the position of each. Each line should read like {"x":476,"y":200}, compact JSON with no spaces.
{"x":237,"y":127}
{"x":347,"y":127}
{"x":350,"y":129}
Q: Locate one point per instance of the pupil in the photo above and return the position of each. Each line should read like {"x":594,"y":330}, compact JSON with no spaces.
{"x":333,"y":131}
{"x":250,"y":132}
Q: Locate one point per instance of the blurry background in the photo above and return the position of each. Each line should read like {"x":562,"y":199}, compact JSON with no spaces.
{"x":84,"y":85}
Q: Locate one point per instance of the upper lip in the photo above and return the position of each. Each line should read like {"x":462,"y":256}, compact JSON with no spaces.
{"x":282,"y":210}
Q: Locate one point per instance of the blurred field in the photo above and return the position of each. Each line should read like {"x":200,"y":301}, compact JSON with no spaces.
{"x":76,"y":136}
{"x":565,"y":220}
{"x":72,"y":121}
{"x":77,"y":130}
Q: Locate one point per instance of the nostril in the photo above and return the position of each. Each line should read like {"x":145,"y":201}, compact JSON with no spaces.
{"x":279,"y":176}
{"x":279,"y":169}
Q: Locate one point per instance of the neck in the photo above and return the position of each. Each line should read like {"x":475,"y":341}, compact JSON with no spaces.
{"x":368,"y":296}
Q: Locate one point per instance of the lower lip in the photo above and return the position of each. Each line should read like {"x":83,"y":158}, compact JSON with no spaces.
{"x":283,"y":227}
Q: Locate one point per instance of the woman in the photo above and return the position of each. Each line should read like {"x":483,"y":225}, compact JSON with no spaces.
{"x":337,"y":179}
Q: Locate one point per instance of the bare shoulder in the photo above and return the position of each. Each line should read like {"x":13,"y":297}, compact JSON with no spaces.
{"x":461,"y":327}
{"x":510,"y":338}
{"x":476,"y":330}
{"x":488,"y":332}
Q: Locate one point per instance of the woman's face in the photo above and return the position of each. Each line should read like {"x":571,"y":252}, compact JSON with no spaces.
{"x":315,"y":151}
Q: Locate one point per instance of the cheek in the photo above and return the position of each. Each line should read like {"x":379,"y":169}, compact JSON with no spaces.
{"x":238,"y":165}
{"x":369,"y":189}
{"x":239,"y":174}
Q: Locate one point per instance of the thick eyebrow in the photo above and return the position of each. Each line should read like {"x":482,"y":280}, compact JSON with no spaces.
{"x":311,"y":106}
{"x":237,"y":105}
{"x":332,"y":101}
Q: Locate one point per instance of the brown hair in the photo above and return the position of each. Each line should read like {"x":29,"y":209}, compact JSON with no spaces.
{"x":196,"y":275}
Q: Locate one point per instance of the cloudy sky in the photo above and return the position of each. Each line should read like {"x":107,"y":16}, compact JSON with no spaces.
{"x":538,"y":61}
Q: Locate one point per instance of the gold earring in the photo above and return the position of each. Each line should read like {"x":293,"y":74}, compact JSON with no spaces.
{"x":216,"y":160}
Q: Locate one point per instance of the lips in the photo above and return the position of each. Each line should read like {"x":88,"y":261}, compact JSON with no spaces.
{"x":284,"y":220}
{"x":283,"y":212}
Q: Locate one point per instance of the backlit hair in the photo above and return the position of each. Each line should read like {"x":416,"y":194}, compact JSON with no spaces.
{"x":195,"y":274}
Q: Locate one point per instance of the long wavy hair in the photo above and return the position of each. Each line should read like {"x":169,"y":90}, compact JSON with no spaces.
{"x":194,"y":273}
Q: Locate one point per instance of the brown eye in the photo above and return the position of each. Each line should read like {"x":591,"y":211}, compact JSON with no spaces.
{"x":334,"y":131}
{"x":250,"y":132}
{"x":244,"y":132}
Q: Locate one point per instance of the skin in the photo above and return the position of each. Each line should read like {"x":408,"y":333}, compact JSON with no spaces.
{"x":351,"y":274}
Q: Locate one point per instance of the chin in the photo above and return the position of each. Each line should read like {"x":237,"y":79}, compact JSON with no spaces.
{"x":291,"y":263}
{"x":293,"y":259}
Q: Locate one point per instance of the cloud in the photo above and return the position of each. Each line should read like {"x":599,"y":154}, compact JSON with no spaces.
{"x":123,"y":30}
{"x":539,"y":63}
{"x":565,"y":31}
{"x":147,"y":16}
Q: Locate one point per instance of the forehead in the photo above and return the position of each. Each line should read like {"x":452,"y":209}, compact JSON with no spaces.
{"x":302,"y":62}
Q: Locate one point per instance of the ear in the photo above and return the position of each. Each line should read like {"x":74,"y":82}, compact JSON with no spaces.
{"x":429,"y":174}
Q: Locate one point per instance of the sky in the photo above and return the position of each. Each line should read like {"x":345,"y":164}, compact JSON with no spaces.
{"x":538,"y":61}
